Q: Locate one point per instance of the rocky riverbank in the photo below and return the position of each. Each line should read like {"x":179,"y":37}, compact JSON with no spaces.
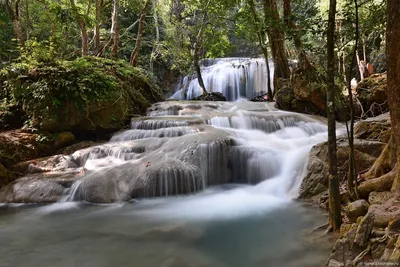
{"x":370,"y":233}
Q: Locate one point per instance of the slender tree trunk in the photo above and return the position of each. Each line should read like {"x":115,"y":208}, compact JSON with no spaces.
{"x":301,"y":54}
{"x":157,"y":30}
{"x":335,"y":218}
{"x":393,"y":74}
{"x":196,"y":55}
{"x":27,"y":19}
{"x":277,"y":41}
{"x":261,"y":35}
{"x":351,"y":181}
{"x":136,"y":51}
{"x":97,"y":27}
{"x":115,"y":30}
{"x":13,"y":12}
{"x":82,"y":26}
{"x":53,"y":27}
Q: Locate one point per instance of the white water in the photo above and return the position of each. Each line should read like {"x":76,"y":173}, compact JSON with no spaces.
{"x":233,"y":77}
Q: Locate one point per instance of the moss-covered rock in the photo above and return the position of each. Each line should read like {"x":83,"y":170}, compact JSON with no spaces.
{"x":372,"y":94}
{"x":87,"y":94}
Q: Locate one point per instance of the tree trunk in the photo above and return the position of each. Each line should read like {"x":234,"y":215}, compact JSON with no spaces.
{"x":277,"y":41}
{"x":136,"y":51}
{"x":301,"y":54}
{"x":261,"y":40}
{"x":115,"y":30}
{"x":351,"y":182}
{"x":335,"y":218}
{"x":393,"y":76}
{"x":82,"y":26}
{"x":157,"y":31}
{"x":13,"y":12}
{"x":97,"y":27}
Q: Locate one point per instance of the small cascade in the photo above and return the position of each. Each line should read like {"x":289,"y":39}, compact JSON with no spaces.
{"x":122,"y":150}
{"x":72,"y":192}
{"x":235,"y":78}
{"x":158,"y":133}
{"x":156,"y":124}
{"x":213,"y":162}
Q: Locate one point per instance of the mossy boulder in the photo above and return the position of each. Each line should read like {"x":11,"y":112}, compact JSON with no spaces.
{"x":86,"y":94}
{"x":372,"y":94}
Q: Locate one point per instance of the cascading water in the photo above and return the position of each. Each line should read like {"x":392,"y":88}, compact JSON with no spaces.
{"x":233,"y":77}
{"x":211,"y":183}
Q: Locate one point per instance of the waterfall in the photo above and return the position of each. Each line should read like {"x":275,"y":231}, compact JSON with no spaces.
{"x":197,"y":146}
{"x":233,"y":77}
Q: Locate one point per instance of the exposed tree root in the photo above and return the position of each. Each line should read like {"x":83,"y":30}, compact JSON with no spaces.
{"x":385,"y":162}
{"x":318,"y":228}
{"x":383,"y":183}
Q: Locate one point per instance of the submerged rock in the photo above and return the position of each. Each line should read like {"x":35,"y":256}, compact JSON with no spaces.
{"x":212,"y":96}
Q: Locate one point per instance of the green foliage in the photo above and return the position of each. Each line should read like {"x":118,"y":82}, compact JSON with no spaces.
{"x":49,"y":89}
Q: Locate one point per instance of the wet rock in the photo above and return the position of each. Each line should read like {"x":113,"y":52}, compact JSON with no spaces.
{"x":396,"y":252}
{"x":386,"y":213}
{"x":363,"y":231}
{"x":32,"y":190}
{"x":335,"y":263}
{"x":315,"y":182}
{"x":356,"y":209}
{"x":212,"y":96}
{"x":64,"y":139}
{"x":18,"y":146}
{"x":78,"y":146}
{"x":379,"y":197}
{"x":342,"y":249}
{"x":260,"y":98}
{"x":372,"y":95}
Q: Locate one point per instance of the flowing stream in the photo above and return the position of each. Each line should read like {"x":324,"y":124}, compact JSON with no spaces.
{"x":191,"y":184}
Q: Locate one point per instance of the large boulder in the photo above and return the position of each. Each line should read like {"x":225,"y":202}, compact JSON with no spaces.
{"x":85,"y":95}
{"x":376,"y":128}
{"x":372,"y":94}
{"x":18,"y":146}
{"x":64,"y":139}
{"x":305,"y":96}
{"x":315,"y":182}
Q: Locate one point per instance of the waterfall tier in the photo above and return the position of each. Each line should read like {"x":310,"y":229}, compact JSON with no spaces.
{"x":184,"y":147}
{"x":233,"y":77}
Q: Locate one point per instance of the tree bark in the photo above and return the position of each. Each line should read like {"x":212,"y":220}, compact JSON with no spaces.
{"x":13,"y":12}
{"x":301,"y":54}
{"x":335,"y":218}
{"x":261,"y":35}
{"x":115,"y":30}
{"x":97,"y":27}
{"x":276,"y":39}
{"x":136,"y":51}
{"x":351,"y":180}
{"x":157,"y":31}
{"x":82,"y":26}
{"x":393,"y":76}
